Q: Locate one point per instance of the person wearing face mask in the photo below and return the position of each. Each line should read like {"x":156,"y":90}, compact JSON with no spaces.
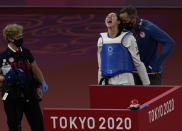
{"x":148,"y":36}
{"x":20,"y":81}
{"x":117,"y":55}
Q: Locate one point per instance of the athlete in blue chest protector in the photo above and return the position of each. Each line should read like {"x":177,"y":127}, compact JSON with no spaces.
{"x":118,"y":54}
{"x":148,"y":36}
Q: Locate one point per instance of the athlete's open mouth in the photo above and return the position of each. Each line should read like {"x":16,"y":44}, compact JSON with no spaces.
{"x":109,"y":21}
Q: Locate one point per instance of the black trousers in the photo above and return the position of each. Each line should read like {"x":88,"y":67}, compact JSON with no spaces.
{"x":14,"y":111}
{"x":155,"y":79}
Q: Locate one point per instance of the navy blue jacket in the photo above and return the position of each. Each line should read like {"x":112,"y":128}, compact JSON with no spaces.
{"x":148,"y":36}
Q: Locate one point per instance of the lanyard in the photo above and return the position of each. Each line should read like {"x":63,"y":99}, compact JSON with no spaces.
{"x":138,"y":30}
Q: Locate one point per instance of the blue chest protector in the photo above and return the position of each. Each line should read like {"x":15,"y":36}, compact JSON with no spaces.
{"x":115,"y":58}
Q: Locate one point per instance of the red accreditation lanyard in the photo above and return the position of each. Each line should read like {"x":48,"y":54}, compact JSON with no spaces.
{"x":138,"y":30}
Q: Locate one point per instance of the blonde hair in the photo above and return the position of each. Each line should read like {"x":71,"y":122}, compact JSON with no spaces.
{"x":11,"y":30}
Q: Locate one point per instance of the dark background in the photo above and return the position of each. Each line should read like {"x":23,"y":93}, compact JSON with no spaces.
{"x":64,"y":43}
{"x":116,"y":3}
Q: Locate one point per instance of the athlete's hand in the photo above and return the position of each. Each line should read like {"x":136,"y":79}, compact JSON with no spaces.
{"x":44,"y":86}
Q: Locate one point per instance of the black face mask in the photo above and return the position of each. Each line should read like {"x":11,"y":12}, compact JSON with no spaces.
{"x":18,"y":42}
{"x":128,"y":26}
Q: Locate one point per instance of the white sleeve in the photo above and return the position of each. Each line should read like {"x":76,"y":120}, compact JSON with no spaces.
{"x":99,"y":44}
{"x":130,"y":42}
